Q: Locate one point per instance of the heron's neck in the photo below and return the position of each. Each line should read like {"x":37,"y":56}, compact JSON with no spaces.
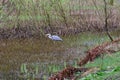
{"x":49,"y":36}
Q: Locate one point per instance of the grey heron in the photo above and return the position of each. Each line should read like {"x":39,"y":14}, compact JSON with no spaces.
{"x":54,"y":37}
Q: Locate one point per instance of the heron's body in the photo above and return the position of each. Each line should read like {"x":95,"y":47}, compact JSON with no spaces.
{"x":54,"y":37}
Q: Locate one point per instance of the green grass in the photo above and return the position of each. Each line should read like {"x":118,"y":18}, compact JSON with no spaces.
{"x":109,"y":65}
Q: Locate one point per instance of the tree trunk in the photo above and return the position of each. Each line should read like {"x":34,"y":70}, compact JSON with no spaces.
{"x":106,"y":21}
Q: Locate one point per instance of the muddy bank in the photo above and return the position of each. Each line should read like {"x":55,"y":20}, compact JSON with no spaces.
{"x":37,"y":32}
{"x":19,"y":32}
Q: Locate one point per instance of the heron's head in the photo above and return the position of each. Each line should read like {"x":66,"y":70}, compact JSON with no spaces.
{"x":48,"y":34}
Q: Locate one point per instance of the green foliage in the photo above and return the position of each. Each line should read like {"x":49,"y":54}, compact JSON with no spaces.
{"x":102,"y":75}
{"x":110,"y":67}
{"x":23,"y":68}
{"x":40,"y":12}
{"x":111,"y":2}
{"x":29,"y":71}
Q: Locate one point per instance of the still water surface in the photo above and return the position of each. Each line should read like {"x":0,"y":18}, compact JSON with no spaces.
{"x":44,"y":51}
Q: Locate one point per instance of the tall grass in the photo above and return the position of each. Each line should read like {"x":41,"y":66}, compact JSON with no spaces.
{"x":110,"y":68}
{"x":57,"y":13}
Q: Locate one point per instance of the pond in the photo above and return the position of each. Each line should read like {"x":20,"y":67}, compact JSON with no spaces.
{"x":47,"y":54}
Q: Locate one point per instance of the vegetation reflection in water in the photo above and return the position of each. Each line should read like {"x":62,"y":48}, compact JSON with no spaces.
{"x":49,"y":56}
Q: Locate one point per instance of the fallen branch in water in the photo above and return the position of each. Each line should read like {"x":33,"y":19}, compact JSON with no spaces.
{"x":108,"y":47}
{"x":67,"y":73}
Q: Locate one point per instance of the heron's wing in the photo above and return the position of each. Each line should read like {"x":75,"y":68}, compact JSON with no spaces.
{"x":54,"y":37}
